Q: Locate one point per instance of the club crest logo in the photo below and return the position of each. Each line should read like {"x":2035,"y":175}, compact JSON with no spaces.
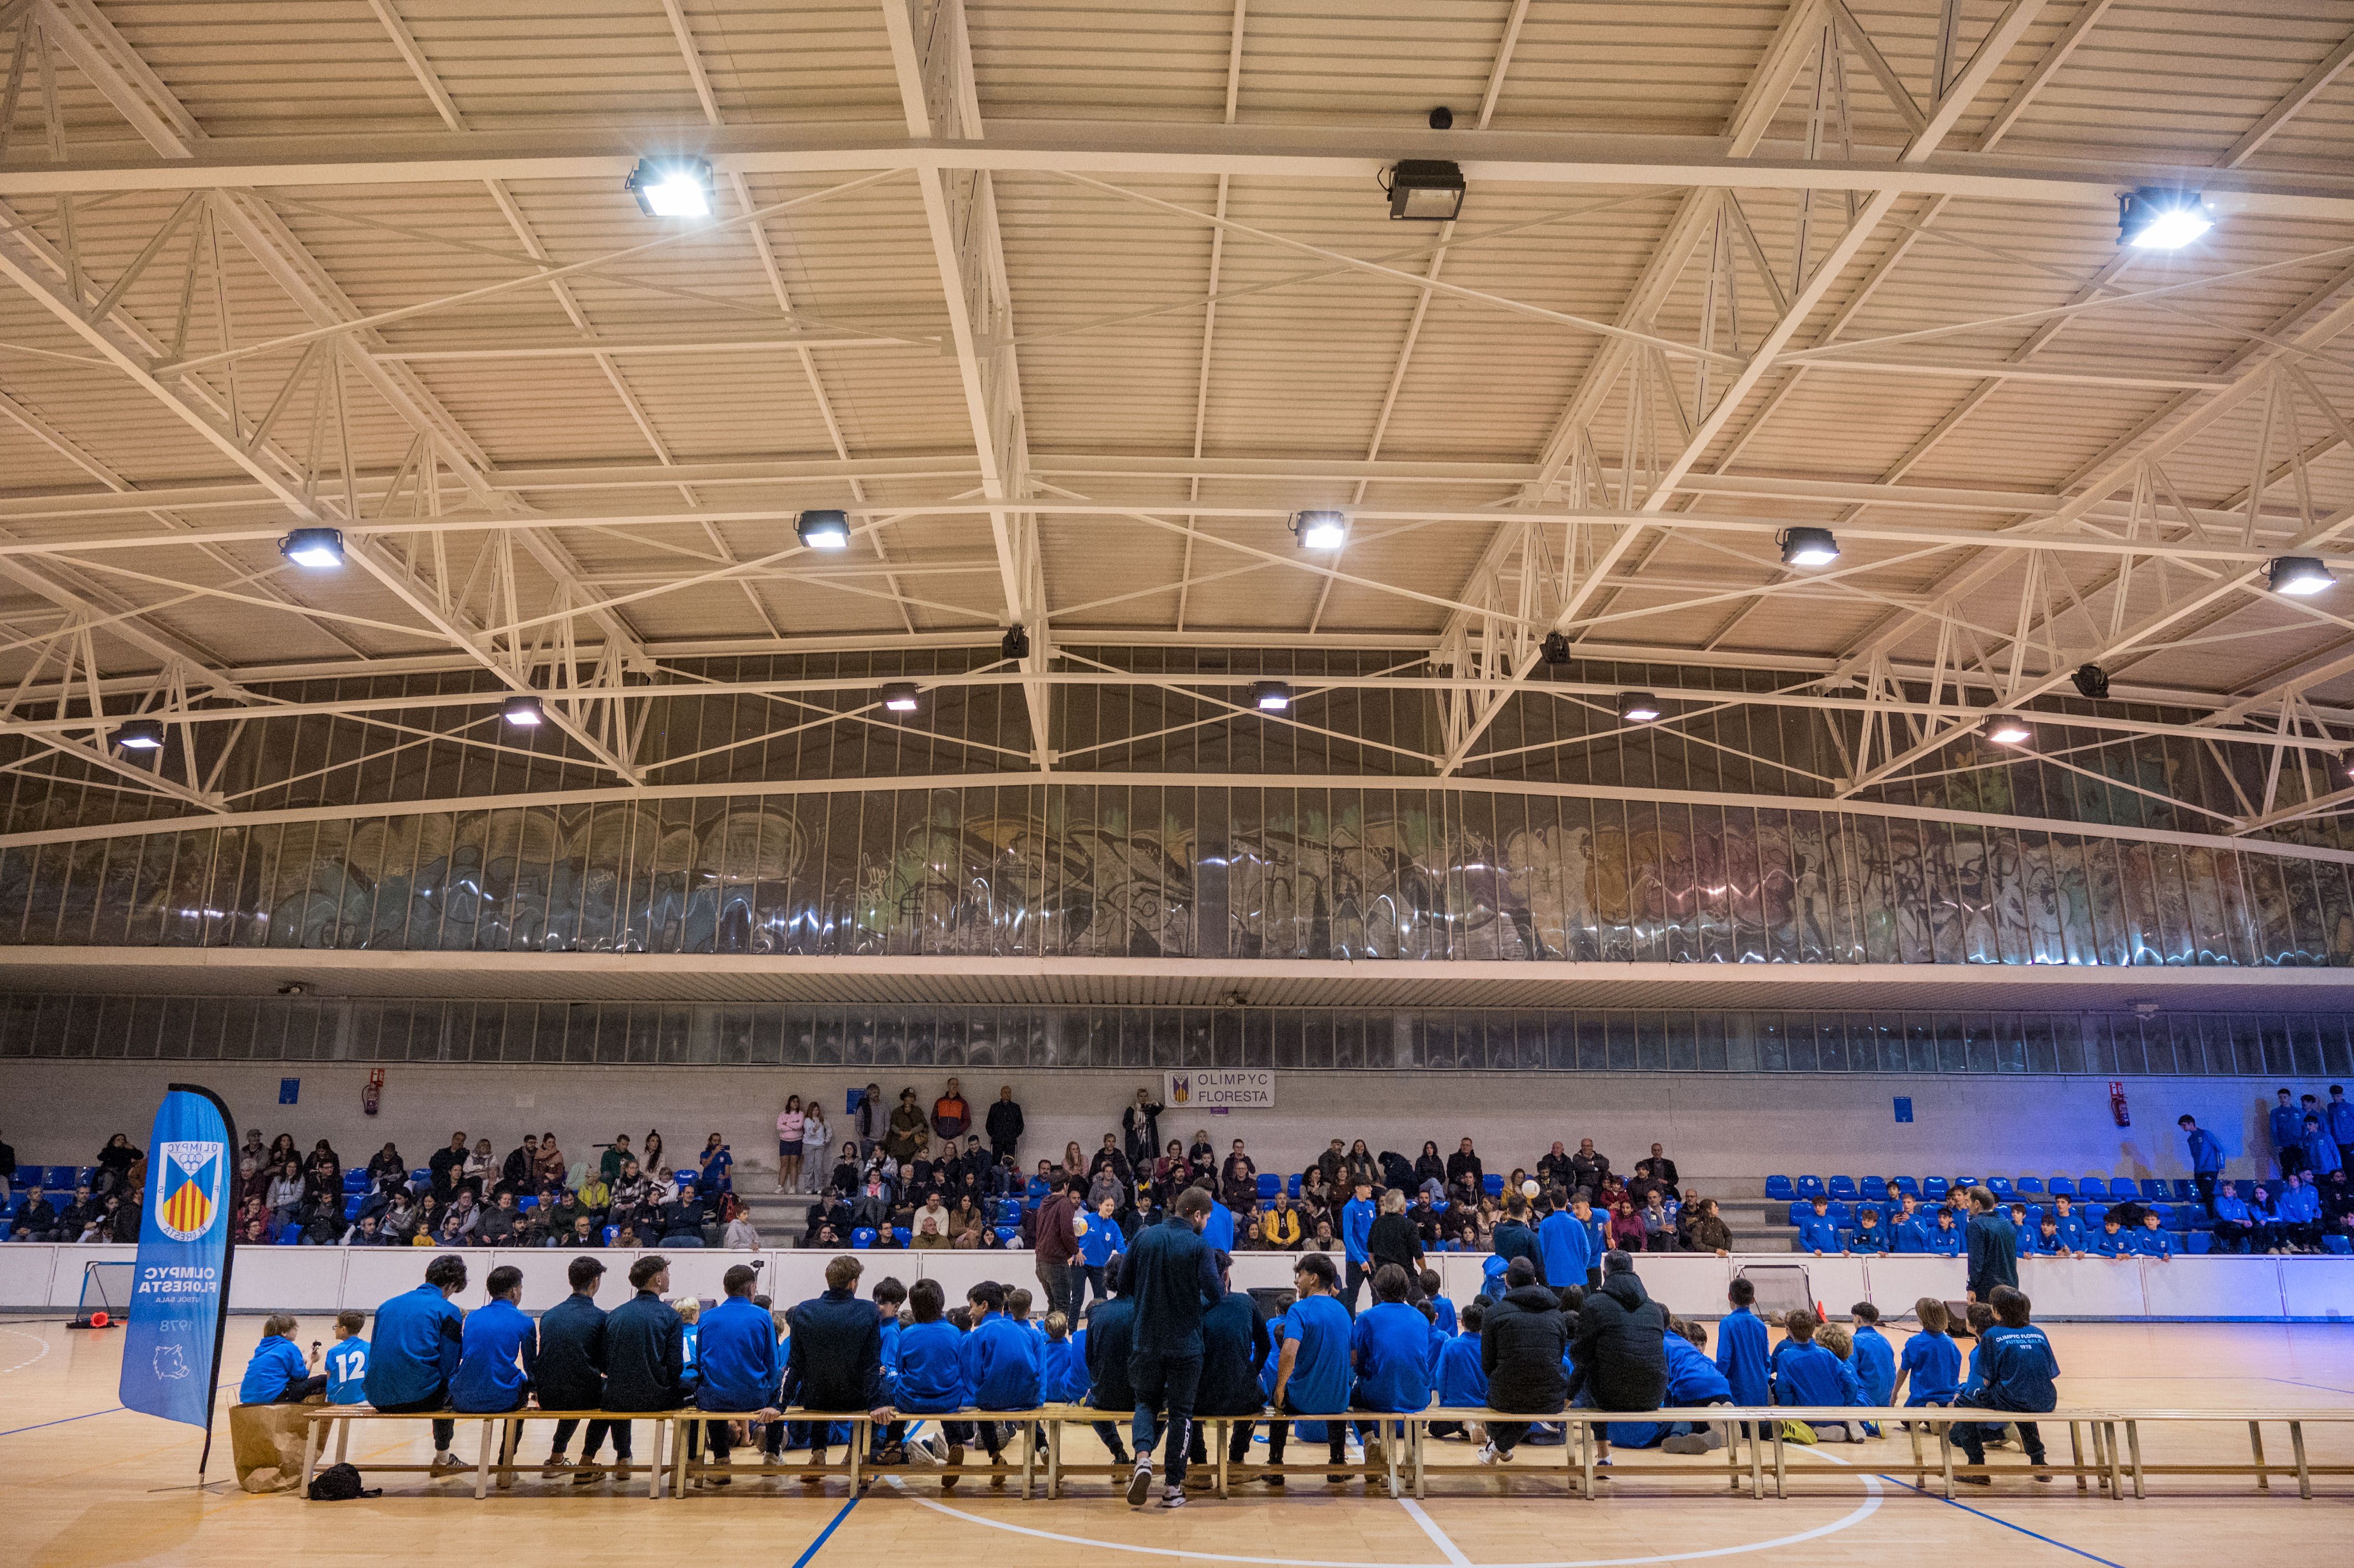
{"x":188,"y":1189}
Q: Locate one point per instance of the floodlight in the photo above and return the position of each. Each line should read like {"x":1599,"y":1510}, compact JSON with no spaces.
{"x":320,"y":549}
{"x":2008,"y":729}
{"x":1320,"y":530}
{"x":899,"y":696}
{"x":2299,"y":575}
{"x":1639,"y":707}
{"x":2154,"y":219}
{"x":140,"y":735}
{"x":671,"y":188}
{"x":1271,"y":697}
{"x":523,"y":710}
{"x":1425,"y":190}
{"x":824,"y":529}
{"x":1809,"y":547}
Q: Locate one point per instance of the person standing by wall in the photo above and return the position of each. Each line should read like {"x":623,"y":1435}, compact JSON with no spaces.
{"x":1993,"y":1244}
{"x":950,"y":1115}
{"x":2206,"y":1159}
{"x":1004,"y":1127}
{"x":1140,"y":1125}
{"x":792,"y":1123}
{"x":1056,"y":1259}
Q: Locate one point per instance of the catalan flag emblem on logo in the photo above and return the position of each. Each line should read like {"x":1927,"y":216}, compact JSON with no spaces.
{"x":188,"y":1188}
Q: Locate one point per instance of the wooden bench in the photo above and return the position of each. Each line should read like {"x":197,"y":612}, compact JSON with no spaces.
{"x":1393,"y":1466}
{"x":503,"y":1467}
{"x":857,"y":1461}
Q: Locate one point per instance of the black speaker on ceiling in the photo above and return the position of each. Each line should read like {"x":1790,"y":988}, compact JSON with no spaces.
{"x":2092,"y":681}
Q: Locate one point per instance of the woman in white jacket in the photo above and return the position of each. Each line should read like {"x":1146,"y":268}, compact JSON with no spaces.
{"x":816,"y":1140}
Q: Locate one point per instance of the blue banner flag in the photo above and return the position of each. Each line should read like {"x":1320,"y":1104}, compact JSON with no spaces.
{"x":179,"y":1293}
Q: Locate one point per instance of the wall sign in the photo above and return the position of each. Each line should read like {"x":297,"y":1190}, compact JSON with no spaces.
{"x":1219,"y":1089}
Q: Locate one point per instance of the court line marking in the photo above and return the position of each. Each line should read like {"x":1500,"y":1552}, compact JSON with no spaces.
{"x":1430,"y":1527}
{"x":824,"y":1535}
{"x":1870,"y":1505}
{"x":61,"y":1420}
{"x":28,"y":1361}
{"x":1951,"y":1502}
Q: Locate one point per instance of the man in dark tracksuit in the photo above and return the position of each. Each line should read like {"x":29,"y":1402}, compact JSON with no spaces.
{"x":1172,"y":1282}
{"x":572,"y":1373}
{"x":1111,"y":1339}
{"x":1521,"y":1344}
{"x":1233,"y":1347}
{"x":834,"y":1358}
{"x":645,"y":1350}
{"x":1618,"y":1356}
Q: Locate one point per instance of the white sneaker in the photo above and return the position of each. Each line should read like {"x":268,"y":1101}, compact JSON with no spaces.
{"x":926,"y":1451}
{"x":1139,"y":1485}
{"x":1488,"y":1454}
{"x":1171,"y":1497}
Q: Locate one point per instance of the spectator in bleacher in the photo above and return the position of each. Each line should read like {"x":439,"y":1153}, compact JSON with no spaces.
{"x":617,"y":1153}
{"x":650,"y":1152}
{"x":2206,"y":1159}
{"x":968,"y":1225}
{"x":1278,"y":1224}
{"x":2321,"y":1156}
{"x":1662,"y":1168}
{"x":8,"y":1169}
{"x":520,"y":1172}
{"x":479,"y":1170}
{"x":2339,"y":1116}
{"x":1140,"y":1126}
{"x":1658,"y":1224}
{"x":1704,"y":1229}
{"x":114,"y":1163}
{"x":2152,"y":1240}
{"x":908,"y":1134}
{"x":129,"y":1212}
{"x":1464,"y":1165}
{"x":1239,"y":1178}
{"x":501,"y":1223}
{"x":1945,"y":1238}
{"x":1870,"y":1237}
{"x":36,"y":1221}
{"x":447,"y":1166}
{"x":1589,"y":1170}
{"x":419,"y":1336}
{"x":582,"y":1234}
{"x":1429,"y":1166}
{"x":2299,"y":1207}
{"x":386,"y":1165}
{"x":1992,"y":1244}
{"x":1358,"y":1168}
{"x":714,"y":1166}
{"x":812,"y":1165}
{"x":554,"y":1168}
{"x":1315,"y":1196}
{"x":1004,"y":1125}
{"x":2287,"y":1127}
{"x":951,"y":1116}
{"x":1626,"y":1233}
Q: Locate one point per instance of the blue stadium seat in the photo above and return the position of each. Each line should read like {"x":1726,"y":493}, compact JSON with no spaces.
{"x":1458,"y":1246}
{"x":1799,"y":1207}
{"x":1906,"y":1184}
{"x":421,"y":1177}
{"x":1492,"y":1185}
{"x":1291,"y":1184}
{"x":2094,"y":1214}
{"x":60,"y":1179}
{"x":1875,"y":1188}
{"x":528,"y":1203}
{"x":1844,"y":1187}
{"x":2155,"y":1187}
{"x":1842,"y":1215}
{"x":2092,"y":1187}
{"x":1008,"y":1212}
{"x":352,"y":1207}
{"x":2031,"y":1184}
{"x":289,"y":1234}
{"x":901,"y":1236}
{"x":1935,"y":1188}
{"x":355,"y":1182}
{"x":610,"y":1232}
{"x":2200,"y":1242}
{"x":1009,"y":1235}
{"x":1269,"y":1184}
{"x":2034,"y":1217}
{"x":862,"y":1237}
{"x":2062,"y":1187}
{"x":2183,"y":1190}
{"x":1780,"y":1189}
{"x":2001,"y":1188}
{"x":1813,"y":1187}
{"x":1966,"y":1183}
{"x":2337,"y":1243}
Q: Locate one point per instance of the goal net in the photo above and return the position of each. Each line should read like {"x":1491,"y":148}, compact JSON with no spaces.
{"x":105,"y":1288}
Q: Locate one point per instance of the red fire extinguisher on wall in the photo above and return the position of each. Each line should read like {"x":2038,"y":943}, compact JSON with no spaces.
{"x":373,"y":1093}
{"x":2117,"y":1106}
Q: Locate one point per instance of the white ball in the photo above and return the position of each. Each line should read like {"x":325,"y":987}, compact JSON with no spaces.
{"x":1528,"y":1188}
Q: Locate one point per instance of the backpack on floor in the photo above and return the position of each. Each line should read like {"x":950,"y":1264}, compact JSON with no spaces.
{"x":340,"y":1483}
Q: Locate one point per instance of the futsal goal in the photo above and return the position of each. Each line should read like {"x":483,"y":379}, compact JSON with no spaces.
{"x":105,"y":1289}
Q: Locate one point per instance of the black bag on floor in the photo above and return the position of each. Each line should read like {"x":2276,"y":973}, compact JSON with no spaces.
{"x":340,"y":1483}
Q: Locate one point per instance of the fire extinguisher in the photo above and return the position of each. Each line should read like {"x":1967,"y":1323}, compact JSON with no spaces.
{"x":2117,"y":1107}
{"x":374,"y":1093}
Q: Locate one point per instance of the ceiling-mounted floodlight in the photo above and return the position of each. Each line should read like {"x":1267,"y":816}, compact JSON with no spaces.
{"x":899,"y":696}
{"x":2155,"y":219}
{"x":1556,"y":650}
{"x":824,"y":529}
{"x":2298,"y":575}
{"x":1320,"y":530}
{"x":1809,"y":547}
{"x":317,"y":548}
{"x":2008,"y":729}
{"x":671,"y":188}
{"x":2092,"y":681}
{"x":1016,"y":644}
{"x":140,"y":735}
{"x":1425,"y":190}
{"x":1270,"y":696}
{"x":2345,"y":763}
{"x":1639,"y":707}
{"x":523,"y":710}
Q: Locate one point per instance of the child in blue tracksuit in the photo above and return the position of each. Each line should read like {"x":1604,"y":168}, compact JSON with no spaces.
{"x":1442,"y":1310}
{"x":1100,"y":1243}
{"x":1817,"y":1235}
{"x":1692,"y":1379}
{"x":690,"y":1313}
{"x":1063,"y":1371}
{"x":931,"y":1375}
{"x":889,"y":1296}
{"x":1461,"y":1380}
{"x":2112,"y":1242}
{"x":1931,"y":1362}
{"x":2070,"y":1224}
{"x":1876,"y":1358}
{"x":1945,"y":1237}
{"x":276,"y":1374}
{"x":1001,"y":1364}
{"x":2152,"y":1240}
{"x":1908,"y":1228}
{"x":1741,"y":1351}
{"x":347,"y":1361}
{"x":1871,"y":1236}
{"x":1389,"y":1352}
{"x":1806,"y":1374}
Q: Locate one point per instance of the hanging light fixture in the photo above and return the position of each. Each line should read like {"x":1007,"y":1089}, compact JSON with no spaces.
{"x":1425,"y":190}
{"x":2300,"y":575}
{"x":671,"y":187}
{"x":2155,"y":219}
{"x":827,"y":530}
{"x":140,"y":735}
{"x":321,"y":549}
{"x":899,"y":696}
{"x":1639,"y":707}
{"x":523,"y":710}
{"x":1319,"y":530}
{"x":1809,"y":547}
{"x":2009,"y":729}
{"x":1271,"y":697}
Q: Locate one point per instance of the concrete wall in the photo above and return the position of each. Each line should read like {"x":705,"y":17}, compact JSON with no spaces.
{"x":1717,"y":1126}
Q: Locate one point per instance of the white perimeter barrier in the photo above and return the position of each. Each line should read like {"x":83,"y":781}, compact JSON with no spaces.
{"x":45,"y":1277}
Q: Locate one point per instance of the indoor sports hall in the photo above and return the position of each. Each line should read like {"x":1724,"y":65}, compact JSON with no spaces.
{"x":1276,"y":783}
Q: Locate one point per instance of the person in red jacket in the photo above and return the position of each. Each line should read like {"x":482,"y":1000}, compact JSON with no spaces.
{"x":951,"y":1117}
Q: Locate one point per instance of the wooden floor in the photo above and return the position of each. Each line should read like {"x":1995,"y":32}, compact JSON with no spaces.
{"x":83,"y":1483}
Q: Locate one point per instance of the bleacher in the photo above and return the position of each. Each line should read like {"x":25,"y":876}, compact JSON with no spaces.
{"x":2174,"y":1200}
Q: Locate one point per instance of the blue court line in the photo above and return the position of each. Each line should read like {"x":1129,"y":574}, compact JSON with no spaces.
{"x":1965,"y":1508}
{"x":825,"y":1534}
{"x":63,"y":1419}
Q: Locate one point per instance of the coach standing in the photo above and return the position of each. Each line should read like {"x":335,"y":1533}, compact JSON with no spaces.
{"x":1173,"y":1280}
{"x":1993,"y":1246}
